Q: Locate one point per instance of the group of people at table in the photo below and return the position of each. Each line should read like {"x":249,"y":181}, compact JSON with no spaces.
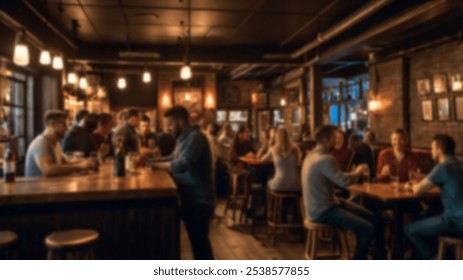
{"x":190,"y":153}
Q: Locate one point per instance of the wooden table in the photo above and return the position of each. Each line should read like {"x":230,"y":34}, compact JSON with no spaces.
{"x":137,"y":215}
{"x":386,"y":196}
{"x":252,"y":161}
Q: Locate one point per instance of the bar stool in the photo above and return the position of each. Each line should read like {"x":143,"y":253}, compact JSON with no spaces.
{"x":7,"y":239}
{"x":445,"y":242}
{"x":276,"y":218}
{"x":315,"y":231}
{"x":71,"y":244}
{"x":257,"y":202}
{"x":239,"y":192}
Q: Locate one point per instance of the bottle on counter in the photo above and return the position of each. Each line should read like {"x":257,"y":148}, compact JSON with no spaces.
{"x":9,"y":164}
{"x":119,"y":158}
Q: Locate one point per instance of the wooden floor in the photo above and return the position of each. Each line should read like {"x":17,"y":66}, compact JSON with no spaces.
{"x":233,"y":241}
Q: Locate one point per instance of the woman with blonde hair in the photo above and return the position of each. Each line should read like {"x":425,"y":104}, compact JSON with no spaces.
{"x":286,"y":158}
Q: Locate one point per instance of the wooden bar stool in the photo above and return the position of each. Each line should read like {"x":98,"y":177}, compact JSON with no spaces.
{"x":236,"y":198}
{"x":71,"y":244}
{"x":7,"y":239}
{"x":277,"y":216}
{"x":338,"y":237}
{"x":257,"y":202}
{"x":445,"y":242}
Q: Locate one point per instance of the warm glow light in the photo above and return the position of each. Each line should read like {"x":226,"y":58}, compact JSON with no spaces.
{"x":185,"y":72}
{"x":187,"y":96}
{"x":254,"y":98}
{"x":146,"y":77}
{"x":72,"y":78}
{"x":21,"y":55}
{"x":101,"y":93}
{"x":45,"y":57}
{"x":283,"y":102}
{"x":166,"y":100}
{"x":83,"y":84}
{"x":210,"y":101}
{"x":121,"y":83}
{"x":374,"y":105}
{"x":57,"y":62}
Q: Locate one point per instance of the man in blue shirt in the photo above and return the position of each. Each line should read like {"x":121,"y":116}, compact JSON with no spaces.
{"x":191,"y":168}
{"x":448,"y":176}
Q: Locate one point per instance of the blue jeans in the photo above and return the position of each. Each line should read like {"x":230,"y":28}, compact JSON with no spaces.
{"x":423,"y":234}
{"x":355,"y":219}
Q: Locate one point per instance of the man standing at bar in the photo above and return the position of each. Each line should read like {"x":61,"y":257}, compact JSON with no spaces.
{"x":191,"y":169}
{"x":448,"y":176}
{"x":128,"y":132}
{"x":44,"y":155}
{"x":397,"y":160}
{"x":320,"y":173}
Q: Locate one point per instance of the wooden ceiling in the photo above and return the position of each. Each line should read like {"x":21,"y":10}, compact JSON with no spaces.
{"x":226,"y":35}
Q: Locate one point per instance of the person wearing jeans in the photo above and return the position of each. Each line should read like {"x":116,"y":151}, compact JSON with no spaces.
{"x":320,"y":173}
{"x":448,"y":176}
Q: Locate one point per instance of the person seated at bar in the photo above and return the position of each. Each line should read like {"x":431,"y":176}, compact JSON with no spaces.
{"x":44,"y":156}
{"x":147,"y":138}
{"x":320,"y":173}
{"x":191,"y":170}
{"x":242,"y":144}
{"x":103,"y":130}
{"x":370,"y":137}
{"x":80,"y":116}
{"x":81,"y":139}
{"x":226,"y":136}
{"x":166,"y":143}
{"x":128,"y":132}
{"x":448,"y":177}
{"x":264,"y":144}
{"x":396,"y":161}
{"x":362,"y":153}
{"x":341,"y":153}
{"x":286,"y":158}
{"x":120,"y":119}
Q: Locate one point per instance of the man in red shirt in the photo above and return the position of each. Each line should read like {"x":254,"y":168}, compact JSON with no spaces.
{"x":397,"y":160}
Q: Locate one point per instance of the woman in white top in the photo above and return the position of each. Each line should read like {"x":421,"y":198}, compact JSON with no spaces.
{"x":286,"y":158}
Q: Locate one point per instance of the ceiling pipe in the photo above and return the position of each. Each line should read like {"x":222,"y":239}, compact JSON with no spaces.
{"x":358,"y":16}
{"x":331,"y":54}
{"x":63,"y":36}
{"x":245,"y":71}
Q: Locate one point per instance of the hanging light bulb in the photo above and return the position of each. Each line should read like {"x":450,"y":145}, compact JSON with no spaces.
{"x":83,"y":84}
{"x":185,"y":72}
{"x":57,"y":62}
{"x":121,"y":83}
{"x":101,"y":93}
{"x":146,"y":77}
{"x":283,"y":102}
{"x":187,"y":96}
{"x":21,"y":51}
{"x":72,"y":78}
{"x":45,"y":57}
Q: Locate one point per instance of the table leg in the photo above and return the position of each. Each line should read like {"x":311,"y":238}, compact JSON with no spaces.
{"x":398,"y":252}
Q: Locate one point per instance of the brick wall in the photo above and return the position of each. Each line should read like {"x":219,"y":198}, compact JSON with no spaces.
{"x":444,"y":59}
{"x":388,"y":85}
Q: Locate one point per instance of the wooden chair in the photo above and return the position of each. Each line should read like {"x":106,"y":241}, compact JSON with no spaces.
{"x":7,"y":239}
{"x":445,"y":242}
{"x":239,"y":192}
{"x":71,"y":244}
{"x":320,"y":232}
{"x":277,"y":218}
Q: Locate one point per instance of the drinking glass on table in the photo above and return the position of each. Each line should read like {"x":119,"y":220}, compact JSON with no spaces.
{"x":366,"y":178}
{"x":395,"y":183}
{"x":93,"y":156}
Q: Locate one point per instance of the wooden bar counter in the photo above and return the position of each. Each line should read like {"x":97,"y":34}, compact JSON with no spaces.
{"x":137,"y":215}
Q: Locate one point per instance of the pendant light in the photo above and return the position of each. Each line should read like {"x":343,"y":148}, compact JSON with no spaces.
{"x":185,"y":70}
{"x":72,"y":77}
{"x":45,"y":57}
{"x":57,"y":62}
{"x":83,"y":84}
{"x":21,"y":50}
{"x":146,"y":77}
{"x":121,"y":83}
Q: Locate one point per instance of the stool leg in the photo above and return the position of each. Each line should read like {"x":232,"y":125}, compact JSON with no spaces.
{"x":345,"y":252}
{"x":314,"y":241}
{"x":441,"y":251}
{"x":458,"y":252}
{"x":307,"y":244}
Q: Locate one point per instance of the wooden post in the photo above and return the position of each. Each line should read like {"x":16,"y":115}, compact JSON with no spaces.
{"x":315,"y":98}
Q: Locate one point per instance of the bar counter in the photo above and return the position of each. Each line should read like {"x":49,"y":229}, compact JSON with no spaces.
{"x":137,"y":215}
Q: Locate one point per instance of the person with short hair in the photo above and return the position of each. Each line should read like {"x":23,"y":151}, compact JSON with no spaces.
{"x":44,"y":156}
{"x":128,"y":132}
{"x":362,"y":153}
{"x":191,"y":169}
{"x":320,"y":174}
{"x":242,"y":145}
{"x":397,"y":160}
{"x":448,"y":177}
{"x":341,"y":153}
{"x":80,"y":116}
{"x":103,"y":130}
{"x":147,"y":138}
{"x":80,"y":138}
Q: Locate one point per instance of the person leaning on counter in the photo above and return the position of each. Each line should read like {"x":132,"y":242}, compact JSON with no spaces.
{"x":44,"y":156}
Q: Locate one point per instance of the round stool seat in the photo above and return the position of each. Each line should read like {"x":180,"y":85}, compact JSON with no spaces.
{"x":316,"y":226}
{"x":285,"y":194}
{"x":7,"y":238}
{"x":71,"y":238}
{"x":451,"y":240}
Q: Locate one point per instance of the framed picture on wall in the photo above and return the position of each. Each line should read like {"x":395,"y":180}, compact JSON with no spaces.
{"x":426,"y":109}
{"x":443,"y":109}
{"x":459,"y":108}
{"x":423,"y":86}
{"x":440,"y":83}
{"x":456,"y":82}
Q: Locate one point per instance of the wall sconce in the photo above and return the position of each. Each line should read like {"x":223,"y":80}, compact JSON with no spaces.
{"x":283,"y":102}
{"x":374,"y":106}
{"x":166,"y":100}
{"x":209,"y":102}
{"x":121,"y":83}
{"x":254,"y":98}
